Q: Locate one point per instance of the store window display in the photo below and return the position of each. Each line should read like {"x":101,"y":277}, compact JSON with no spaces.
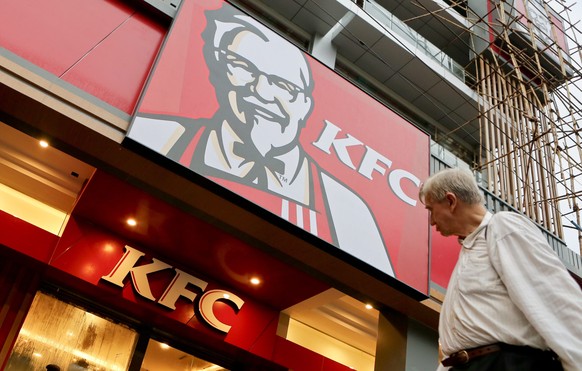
{"x":61,"y":335}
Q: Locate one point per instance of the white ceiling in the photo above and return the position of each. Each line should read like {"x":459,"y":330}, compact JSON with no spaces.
{"x":45,"y":174}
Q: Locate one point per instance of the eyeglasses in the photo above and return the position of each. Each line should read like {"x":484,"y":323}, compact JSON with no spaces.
{"x":246,"y":73}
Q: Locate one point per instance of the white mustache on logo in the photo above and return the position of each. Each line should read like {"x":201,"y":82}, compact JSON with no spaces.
{"x":270,"y":111}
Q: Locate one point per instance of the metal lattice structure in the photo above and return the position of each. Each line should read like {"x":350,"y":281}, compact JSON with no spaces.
{"x":528,"y":82}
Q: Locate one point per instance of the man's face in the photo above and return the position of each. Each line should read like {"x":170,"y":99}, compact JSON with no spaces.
{"x":266,"y":80}
{"x":440,"y":215}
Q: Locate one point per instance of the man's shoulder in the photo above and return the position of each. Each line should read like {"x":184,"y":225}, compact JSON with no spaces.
{"x":509,"y":215}
{"x":511,"y":221}
{"x":501,"y":215}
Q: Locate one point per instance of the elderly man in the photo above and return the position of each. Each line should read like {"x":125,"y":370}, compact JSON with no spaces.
{"x":251,"y":145}
{"x":510,"y":303}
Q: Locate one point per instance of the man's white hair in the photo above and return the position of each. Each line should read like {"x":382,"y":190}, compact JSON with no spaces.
{"x":460,"y":182}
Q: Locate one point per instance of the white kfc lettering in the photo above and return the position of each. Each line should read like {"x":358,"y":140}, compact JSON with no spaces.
{"x":372,"y":161}
{"x":126,"y":265}
{"x":395,"y":181}
{"x":176,"y":289}
{"x":207,"y":301}
{"x":328,"y":138}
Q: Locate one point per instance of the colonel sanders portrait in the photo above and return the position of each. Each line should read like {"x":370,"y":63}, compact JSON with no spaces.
{"x":264,"y":85}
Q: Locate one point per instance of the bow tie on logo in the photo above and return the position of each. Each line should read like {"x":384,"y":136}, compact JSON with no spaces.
{"x":260,"y":163}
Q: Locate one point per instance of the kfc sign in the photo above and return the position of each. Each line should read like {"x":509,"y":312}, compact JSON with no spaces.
{"x":233,"y":101}
{"x":177,"y":288}
{"x":371,"y":160}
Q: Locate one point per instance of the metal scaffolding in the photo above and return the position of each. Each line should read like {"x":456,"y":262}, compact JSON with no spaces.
{"x":529,"y":89}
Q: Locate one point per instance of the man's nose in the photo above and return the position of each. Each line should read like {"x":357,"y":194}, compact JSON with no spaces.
{"x":265,"y":88}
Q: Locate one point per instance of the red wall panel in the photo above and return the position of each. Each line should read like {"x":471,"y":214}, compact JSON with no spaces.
{"x":26,"y":238}
{"x":444,"y":254}
{"x":116,"y":69}
{"x":295,"y":357}
{"x":103,"y":47}
{"x":56,"y":34}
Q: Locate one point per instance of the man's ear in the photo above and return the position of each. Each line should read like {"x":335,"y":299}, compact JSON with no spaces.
{"x":451,"y":199}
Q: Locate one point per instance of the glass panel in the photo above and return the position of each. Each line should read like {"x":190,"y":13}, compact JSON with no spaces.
{"x":162,"y":357}
{"x":389,"y":21}
{"x":58,"y":333}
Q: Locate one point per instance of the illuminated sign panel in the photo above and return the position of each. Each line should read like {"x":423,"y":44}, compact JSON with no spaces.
{"x":178,"y":288}
{"x":532,"y":27}
{"x":548,"y":27}
{"x":233,"y":101}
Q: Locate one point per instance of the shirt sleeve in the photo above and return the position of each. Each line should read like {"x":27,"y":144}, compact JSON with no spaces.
{"x":539,"y":285}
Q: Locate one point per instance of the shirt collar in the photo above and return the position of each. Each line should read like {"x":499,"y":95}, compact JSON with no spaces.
{"x":469,"y":241}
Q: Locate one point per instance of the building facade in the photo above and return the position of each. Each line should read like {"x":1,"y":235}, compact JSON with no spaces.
{"x":233,"y":184}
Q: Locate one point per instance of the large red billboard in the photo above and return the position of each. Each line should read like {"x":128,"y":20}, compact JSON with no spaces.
{"x":548,"y":26}
{"x":233,"y":101}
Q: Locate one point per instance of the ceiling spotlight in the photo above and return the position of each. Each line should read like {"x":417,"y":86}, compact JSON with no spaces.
{"x":164,"y":346}
{"x":131,"y":222}
{"x":43,"y":143}
{"x":369,"y":306}
{"x":226,"y":296}
{"x":255,"y":281}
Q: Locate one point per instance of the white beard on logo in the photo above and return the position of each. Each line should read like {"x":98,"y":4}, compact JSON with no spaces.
{"x":267,"y":134}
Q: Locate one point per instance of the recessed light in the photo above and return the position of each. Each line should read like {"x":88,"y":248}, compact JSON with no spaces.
{"x":164,"y":346}
{"x":369,"y":306}
{"x":255,"y":280}
{"x":226,"y":296}
{"x":43,"y":143}
{"x":131,"y":222}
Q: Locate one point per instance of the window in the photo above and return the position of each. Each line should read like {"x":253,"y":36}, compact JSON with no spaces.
{"x":58,"y":333}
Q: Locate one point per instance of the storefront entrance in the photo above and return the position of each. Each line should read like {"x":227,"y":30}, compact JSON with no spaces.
{"x":62,"y":334}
